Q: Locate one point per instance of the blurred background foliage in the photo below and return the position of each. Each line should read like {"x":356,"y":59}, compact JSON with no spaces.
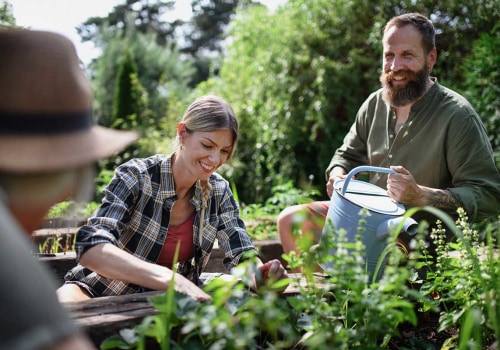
{"x":295,"y":76}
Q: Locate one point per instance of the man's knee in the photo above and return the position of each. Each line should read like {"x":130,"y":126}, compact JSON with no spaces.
{"x":287,"y":215}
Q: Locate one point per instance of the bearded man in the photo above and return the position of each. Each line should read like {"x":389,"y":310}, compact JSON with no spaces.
{"x":430,"y":135}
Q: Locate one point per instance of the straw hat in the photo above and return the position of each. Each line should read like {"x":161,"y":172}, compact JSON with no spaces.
{"x":46,"y":106}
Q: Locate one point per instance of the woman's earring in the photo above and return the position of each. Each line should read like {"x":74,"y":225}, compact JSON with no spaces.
{"x":182,"y":147}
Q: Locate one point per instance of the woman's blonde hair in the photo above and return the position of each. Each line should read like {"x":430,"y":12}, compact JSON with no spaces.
{"x":205,"y":114}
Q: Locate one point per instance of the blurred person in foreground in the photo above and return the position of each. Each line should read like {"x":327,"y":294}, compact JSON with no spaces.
{"x":154,"y":204}
{"x":48,"y":150}
{"x":430,"y":135}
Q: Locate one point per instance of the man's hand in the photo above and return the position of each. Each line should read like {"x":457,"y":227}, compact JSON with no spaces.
{"x":335,"y":174}
{"x":403,"y":188}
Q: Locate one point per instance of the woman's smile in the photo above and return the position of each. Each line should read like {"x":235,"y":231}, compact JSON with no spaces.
{"x":207,"y":168}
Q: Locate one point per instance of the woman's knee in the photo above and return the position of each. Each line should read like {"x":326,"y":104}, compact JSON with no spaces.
{"x":72,"y":292}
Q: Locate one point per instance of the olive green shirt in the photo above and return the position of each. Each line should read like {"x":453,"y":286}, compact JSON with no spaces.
{"x":443,"y":144}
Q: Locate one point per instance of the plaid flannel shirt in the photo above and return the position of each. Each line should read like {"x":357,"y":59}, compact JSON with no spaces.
{"x":134,"y":215}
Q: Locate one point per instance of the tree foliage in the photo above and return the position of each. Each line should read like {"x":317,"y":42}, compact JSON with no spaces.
{"x":297,"y":77}
{"x":482,"y":83}
{"x":208,"y":24}
{"x":199,"y":39}
{"x":6,"y":15}
{"x":296,"y":87}
{"x":147,"y":18}
{"x":129,"y":99}
{"x":160,"y":70}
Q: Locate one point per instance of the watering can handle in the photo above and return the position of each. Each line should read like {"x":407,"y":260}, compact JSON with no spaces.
{"x":364,"y":168}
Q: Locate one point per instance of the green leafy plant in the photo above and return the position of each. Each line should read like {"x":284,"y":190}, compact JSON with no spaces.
{"x":234,"y":319}
{"x":71,"y":209}
{"x":347,"y":308}
{"x":260,"y":219}
{"x":482,"y":83}
{"x":350,"y":308}
{"x":102,"y":180}
{"x":466,"y":281}
{"x":60,"y":209}
{"x":50,"y":246}
{"x":342,"y":311}
{"x":160,"y":327}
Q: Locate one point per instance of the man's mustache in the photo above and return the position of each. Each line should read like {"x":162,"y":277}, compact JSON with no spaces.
{"x":406,"y":74}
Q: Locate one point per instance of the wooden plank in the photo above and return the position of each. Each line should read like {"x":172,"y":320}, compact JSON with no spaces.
{"x":300,"y":283}
{"x":48,"y":232}
{"x":103,"y":317}
{"x":111,"y":305}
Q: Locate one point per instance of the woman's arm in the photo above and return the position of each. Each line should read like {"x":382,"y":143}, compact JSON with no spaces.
{"x":114,"y":263}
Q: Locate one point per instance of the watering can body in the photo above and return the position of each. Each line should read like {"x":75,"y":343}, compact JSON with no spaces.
{"x":353,"y":200}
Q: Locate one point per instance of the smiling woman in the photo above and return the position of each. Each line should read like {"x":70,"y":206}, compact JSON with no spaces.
{"x":164,"y":201}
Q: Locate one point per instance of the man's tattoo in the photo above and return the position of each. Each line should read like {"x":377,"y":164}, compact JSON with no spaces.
{"x":443,"y":199}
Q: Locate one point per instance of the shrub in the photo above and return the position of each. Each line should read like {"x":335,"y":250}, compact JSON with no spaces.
{"x":466,"y":284}
{"x":342,"y":311}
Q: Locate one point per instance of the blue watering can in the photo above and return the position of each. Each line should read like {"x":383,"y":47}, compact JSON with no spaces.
{"x":382,"y":214}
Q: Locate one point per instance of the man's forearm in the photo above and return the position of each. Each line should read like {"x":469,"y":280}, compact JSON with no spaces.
{"x":442,"y":199}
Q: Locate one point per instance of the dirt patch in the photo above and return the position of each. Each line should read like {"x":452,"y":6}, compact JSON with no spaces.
{"x":424,"y":335}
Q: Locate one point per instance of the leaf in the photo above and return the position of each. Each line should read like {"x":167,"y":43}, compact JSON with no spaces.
{"x":115,"y":342}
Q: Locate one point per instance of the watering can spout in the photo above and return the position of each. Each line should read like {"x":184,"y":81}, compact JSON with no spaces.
{"x":409,"y":226}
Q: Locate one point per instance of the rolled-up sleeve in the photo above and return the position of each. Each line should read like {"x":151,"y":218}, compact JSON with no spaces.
{"x":476,"y":180}
{"x":106,"y":225}
{"x":231,"y":232}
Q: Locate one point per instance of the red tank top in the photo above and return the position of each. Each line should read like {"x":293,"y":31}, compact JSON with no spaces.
{"x":182,"y":233}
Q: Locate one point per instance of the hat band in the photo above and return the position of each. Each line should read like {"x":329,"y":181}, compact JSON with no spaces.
{"x":14,"y":123}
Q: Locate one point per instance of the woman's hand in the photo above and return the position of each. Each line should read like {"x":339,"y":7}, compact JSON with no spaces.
{"x":186,"y":287}
{"x":271,"y":271}
{"x":115,"y":263}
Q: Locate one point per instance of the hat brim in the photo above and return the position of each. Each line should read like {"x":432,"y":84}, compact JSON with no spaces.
{"x":32,"y":154}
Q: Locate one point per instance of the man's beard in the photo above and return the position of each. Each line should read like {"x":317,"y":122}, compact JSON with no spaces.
{"x":402,"y":96}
